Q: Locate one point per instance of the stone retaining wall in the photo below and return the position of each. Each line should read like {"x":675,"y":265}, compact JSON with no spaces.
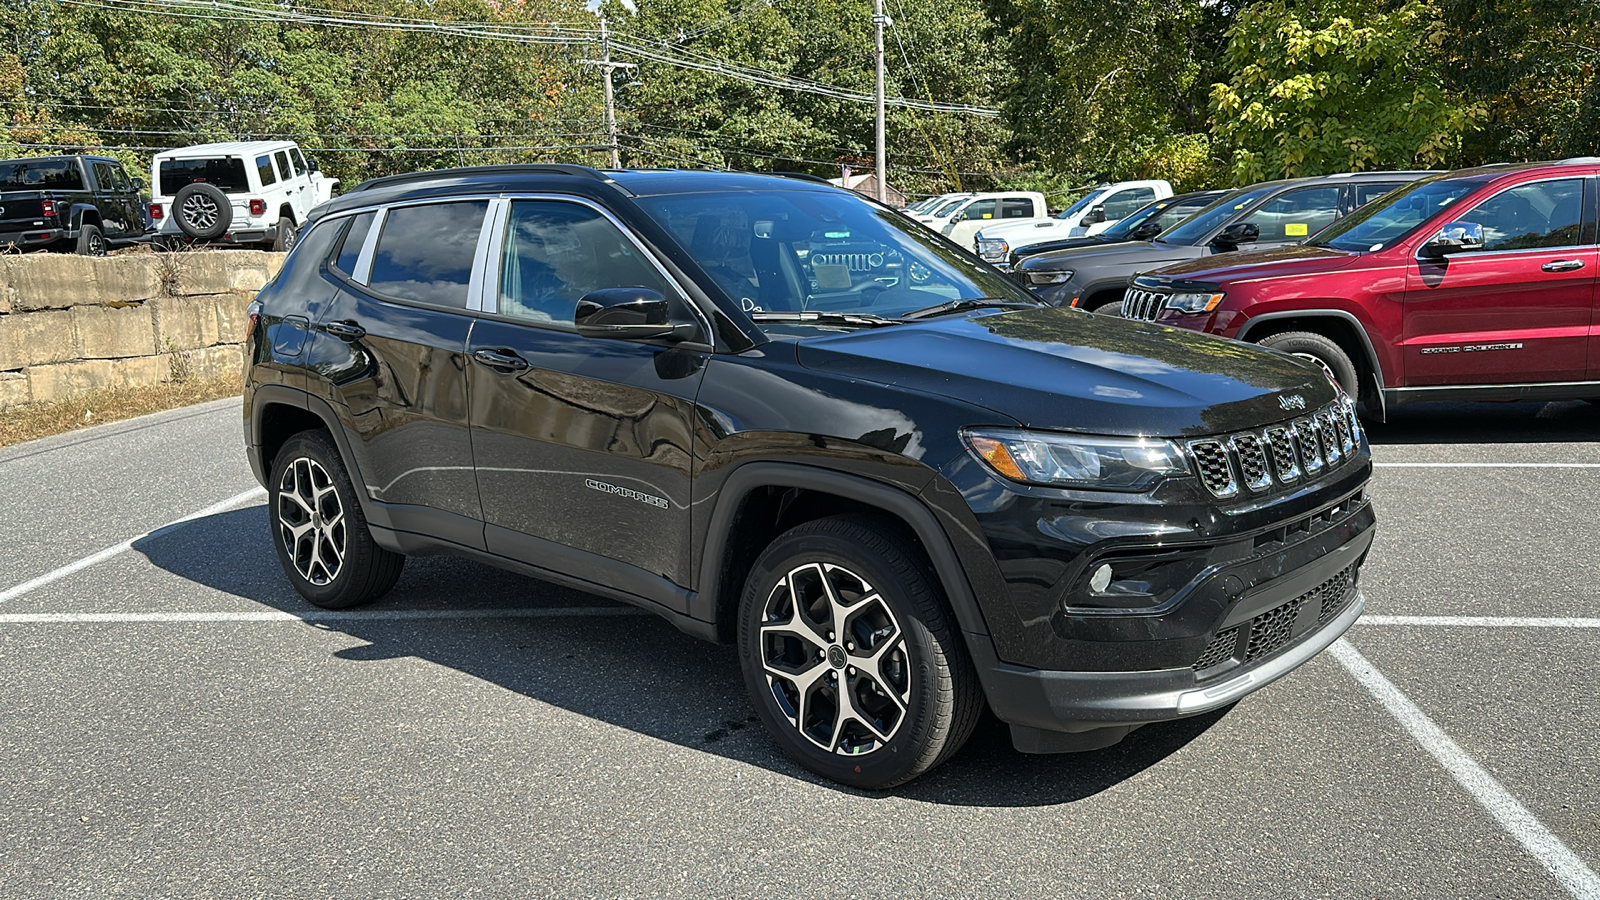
{"x":69,"y":324}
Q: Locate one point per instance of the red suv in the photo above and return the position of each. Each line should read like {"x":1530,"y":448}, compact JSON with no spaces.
{"x":1472,"y":285}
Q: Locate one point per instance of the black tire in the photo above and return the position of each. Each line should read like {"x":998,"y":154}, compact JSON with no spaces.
{"x":202,"y":211}
{"x":91,"y":242}
{"x":1321,"y":351}
{"x":283,"y":237}
{"x":908,"y":630}
{"x":308,"y":468}
{"x":1107,"y":307}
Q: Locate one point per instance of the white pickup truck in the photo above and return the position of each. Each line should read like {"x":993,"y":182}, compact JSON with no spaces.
{"x":963,"y":215}
{"x":1094,"y":212}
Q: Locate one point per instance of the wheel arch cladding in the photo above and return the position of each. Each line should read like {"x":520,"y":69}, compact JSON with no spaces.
{"x":277,"y":422}
{"x":762,"y":500}
{"x":1337,"y":326}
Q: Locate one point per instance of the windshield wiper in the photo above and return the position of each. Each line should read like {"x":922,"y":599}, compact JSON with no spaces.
{"x":952,"y":306}
{"x":815,"y":317}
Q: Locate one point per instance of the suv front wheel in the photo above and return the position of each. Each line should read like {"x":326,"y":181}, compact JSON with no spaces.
{"x":850,"y":655}
{"x":319,"y":529}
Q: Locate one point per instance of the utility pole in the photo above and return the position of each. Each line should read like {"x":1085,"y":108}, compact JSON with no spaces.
{"x":607,"y":66}
{"x":879,"y":20}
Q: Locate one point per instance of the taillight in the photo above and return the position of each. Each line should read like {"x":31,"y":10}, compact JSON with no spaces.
{"x":155,"y":211}
{"x":47,"y":207}
{"x":258,"y":207}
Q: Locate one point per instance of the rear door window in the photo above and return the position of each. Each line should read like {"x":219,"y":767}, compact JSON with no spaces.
{"x":1016,"y":208}
{"x":1366,"y":193}
{"x":1297,"y":214}
{"x":104,"y":176}
{"x":1120,"y":204}
{"x":424,"y":253}
{"x":350,"y":246}
{"x":283,"y":165}
{"x":264,"y":169}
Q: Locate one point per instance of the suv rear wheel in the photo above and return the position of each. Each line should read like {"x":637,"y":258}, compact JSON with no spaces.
{"x":850,"y":655}
{"x":284,"y":236}
{"x":319,"y":530}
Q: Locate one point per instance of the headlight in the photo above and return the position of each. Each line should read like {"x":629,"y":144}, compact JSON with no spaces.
{"x":1194,"y":302}
{"x":1071,"y":460}
{"x":1061,"y":276}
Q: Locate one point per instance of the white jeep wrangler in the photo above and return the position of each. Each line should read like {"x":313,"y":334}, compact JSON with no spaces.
{"x":245,"y":192}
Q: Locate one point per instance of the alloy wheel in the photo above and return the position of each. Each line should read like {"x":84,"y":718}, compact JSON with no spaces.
{"x":1322,"y":364}
{"x":312,"y":521}
{"x":200,"y":212}
{"x":835,"y":659}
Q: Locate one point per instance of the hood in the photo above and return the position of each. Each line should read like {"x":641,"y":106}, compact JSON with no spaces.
{"x":1018,"y":232}
{"x":1143,"y":255}
{"x":1256,"y":264}
{"x":1072,"y":371}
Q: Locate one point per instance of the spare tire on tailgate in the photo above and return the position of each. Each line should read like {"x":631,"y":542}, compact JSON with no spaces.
{"x":202,"y":211}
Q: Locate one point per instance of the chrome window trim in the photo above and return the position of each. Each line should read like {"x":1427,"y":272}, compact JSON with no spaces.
{"x":1582,"y":193}
{"x":363,"y":273}
{"x":369,"y":247}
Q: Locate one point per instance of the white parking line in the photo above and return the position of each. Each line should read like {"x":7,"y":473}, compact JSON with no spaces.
{"x":317,"y":618}
{"x":1482,"y":621}
{"x":1485,"y":465}
{"x":95,"y":558}
{"x":1579,"y":880}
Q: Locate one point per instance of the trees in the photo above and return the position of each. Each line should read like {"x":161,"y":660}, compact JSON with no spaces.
{"x":1318,"y":88}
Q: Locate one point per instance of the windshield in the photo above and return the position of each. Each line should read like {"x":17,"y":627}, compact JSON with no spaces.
{"x":1082,"y":204}
{"x":810,"y":251}
{"x":950,"y":207}
{"x":1378,"y":225}
{"x":1201,"y":224}
{"x":40,"y":174}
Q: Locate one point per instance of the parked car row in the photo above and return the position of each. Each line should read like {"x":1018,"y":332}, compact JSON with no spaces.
{"x":1400,"y":286}
{"x":252,"y":192}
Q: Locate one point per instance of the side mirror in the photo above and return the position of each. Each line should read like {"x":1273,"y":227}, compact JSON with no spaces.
{"x":1239,"y":233}
{"x":1094,"y":216}
{"x":628,"y":313}
{"x":138,"y":184}
{"x":311,"y":163}
{"x":1456,"y":237}
{"x":1144,"y":232}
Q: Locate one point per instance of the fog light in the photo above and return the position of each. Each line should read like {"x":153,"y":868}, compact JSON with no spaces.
{"x":1101,"y":579}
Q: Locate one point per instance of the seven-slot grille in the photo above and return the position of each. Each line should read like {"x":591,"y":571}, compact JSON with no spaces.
{"x":1142,"y":304}
{"x":1281,"y":454}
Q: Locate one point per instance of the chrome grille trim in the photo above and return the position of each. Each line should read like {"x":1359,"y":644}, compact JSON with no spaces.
{"x":1279,"y":454}
{"x":1252,"y":460}
{"x":1142,"y":304}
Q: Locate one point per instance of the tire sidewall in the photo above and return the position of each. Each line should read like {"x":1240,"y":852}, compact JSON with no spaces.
{"x":1323,"y":349}
{"x":896,"y":760}
{"x":91,"y":241}
{"x":212,"y":192}
{"x":338,"y":593}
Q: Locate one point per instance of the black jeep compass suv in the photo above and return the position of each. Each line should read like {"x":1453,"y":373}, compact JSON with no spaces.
{"x":784,"y":417}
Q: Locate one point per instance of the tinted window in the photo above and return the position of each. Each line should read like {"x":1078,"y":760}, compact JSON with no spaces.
{"x":1213,"y":216}
{"x":1016,"y":208}
{"x":1366,"y":193}
{"x":425,"y":252}
{"x":557,"y":252}
{"x":1297,"y":214}
{"x":1542,"y":214}
{"x":298,"y":160}
{"x":105,"y":177}
{"x":1121,"y":203}
{"x":283,"y":164}
{"x":1377,"y":225}
{"x":264,"y":169}
{"x":227,"y":173}
{"x":35,"y":175}
{"x":350,"y":246}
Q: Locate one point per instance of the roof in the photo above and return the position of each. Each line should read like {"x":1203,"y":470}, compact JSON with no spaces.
{"x":229,"y":148}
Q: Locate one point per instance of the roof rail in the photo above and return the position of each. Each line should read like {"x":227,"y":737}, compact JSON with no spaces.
{"x":467,"y":171}
{"x":802,"y":176}
{"x":1579,"y":161}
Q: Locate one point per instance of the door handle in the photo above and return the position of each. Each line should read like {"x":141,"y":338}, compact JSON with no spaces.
{"x":500,"y":360}
{"x":346,"y":331}
{"x":1563,"y":265}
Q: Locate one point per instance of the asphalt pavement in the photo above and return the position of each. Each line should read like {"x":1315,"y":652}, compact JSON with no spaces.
{"x":176,"y":722}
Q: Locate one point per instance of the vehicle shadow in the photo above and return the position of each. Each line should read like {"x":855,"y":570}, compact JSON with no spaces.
{"x":633,"y":671}
{"x":1531,"y":422}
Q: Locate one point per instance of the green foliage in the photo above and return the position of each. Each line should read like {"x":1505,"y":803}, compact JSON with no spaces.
{"x":1337,"y":87}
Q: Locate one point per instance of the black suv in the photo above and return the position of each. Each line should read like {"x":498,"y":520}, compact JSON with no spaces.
{"x":900,"y":496}
{"x":1260,"y":217}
